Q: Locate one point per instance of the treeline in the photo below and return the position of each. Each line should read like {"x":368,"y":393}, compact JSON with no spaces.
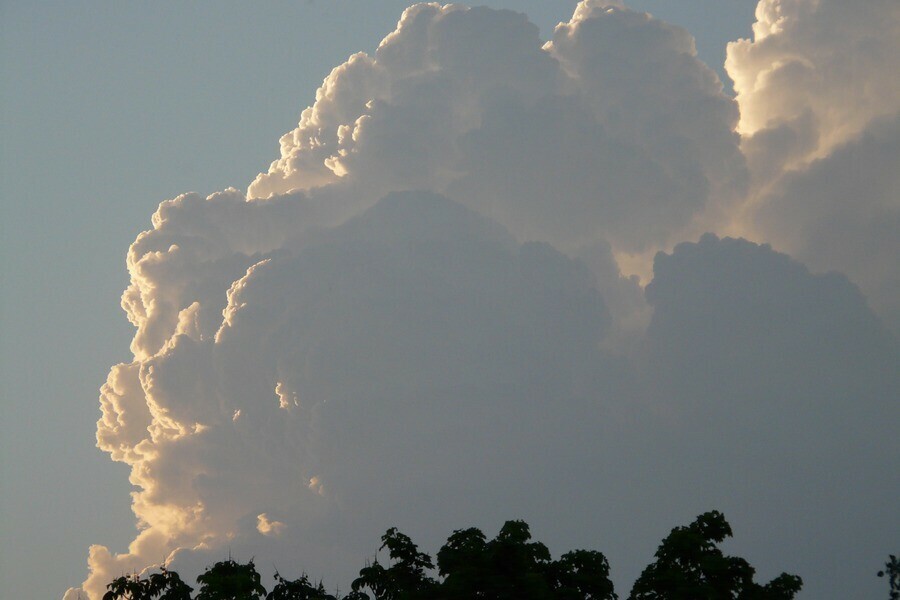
{"x":688,"y":566}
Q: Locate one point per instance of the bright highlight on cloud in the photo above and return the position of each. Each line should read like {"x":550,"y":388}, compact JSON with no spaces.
{"x":422,"y":314}
{"x":821,"y":67}
{"x":820,"y":101}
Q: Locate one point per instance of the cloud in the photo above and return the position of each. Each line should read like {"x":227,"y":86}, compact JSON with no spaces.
{"x":642,"y":78}
{"x":827,"y":59}
{"x":819,"y":106}
{"x":613,"y":125}
{"x":418,"y":357}
{"x":338,"y":359}
{"x":792,"y":381}
{"x":268,"y":527}
{"x":425,"y":313}
{"x":843,"y":213}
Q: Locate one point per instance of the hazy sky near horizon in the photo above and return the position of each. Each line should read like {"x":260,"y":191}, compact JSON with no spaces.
{"x":788,"y":374}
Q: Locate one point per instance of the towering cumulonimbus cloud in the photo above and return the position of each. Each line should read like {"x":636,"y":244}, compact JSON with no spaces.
{"x":424,"y":313}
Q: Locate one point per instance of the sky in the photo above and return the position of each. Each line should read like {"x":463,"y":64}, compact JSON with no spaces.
{"x":604,"y":277}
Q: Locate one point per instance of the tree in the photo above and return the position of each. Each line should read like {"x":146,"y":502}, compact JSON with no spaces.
{"x":892,"y":571}
{"x":405,"y":579}
{"x":583,"y":575}
{"x":170,"y":586}
{"x":229,"y":580}
{"x":690,"y":566}
{"x":511,"y":566}
{"x":298,"y":589}
{"x":165,"y":585}
{"x":128,"y":587}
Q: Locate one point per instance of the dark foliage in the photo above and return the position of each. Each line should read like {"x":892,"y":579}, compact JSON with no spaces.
{"x":688,"y":566}
{"x":511,"y":566}
{"x":165,"y":585}
{"x":892,"y":572}
{"x":405,"y":579}
{"x":298,"y":589}
{"x":230,"y":580}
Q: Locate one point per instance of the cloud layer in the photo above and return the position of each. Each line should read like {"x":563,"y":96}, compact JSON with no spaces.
{"x":424,"y":313}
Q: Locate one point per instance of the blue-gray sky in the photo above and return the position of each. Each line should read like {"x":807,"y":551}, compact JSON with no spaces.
{"x":108,"y":109}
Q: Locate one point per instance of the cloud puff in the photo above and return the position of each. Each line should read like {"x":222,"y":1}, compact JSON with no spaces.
{"x":268,"y":527}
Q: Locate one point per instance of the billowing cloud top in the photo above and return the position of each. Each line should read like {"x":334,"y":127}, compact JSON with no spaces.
{"x":819,"y":100}
{"x":564,"y":142}
{"x":423,"y":314}
{"x":817,"y":64}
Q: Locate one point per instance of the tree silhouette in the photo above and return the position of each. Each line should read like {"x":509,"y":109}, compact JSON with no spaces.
{"x":229,"y":580}
{"x":128,"y":587}
{"x":583,"y":574}
{"x":298,"y":589}
{"x":405,"y":579}
{"x":507,"y":566}
{"x":512,"y":567}
{"x":689,"y":566}
{"x":892,"y":572}
{"x":165,"y":585}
